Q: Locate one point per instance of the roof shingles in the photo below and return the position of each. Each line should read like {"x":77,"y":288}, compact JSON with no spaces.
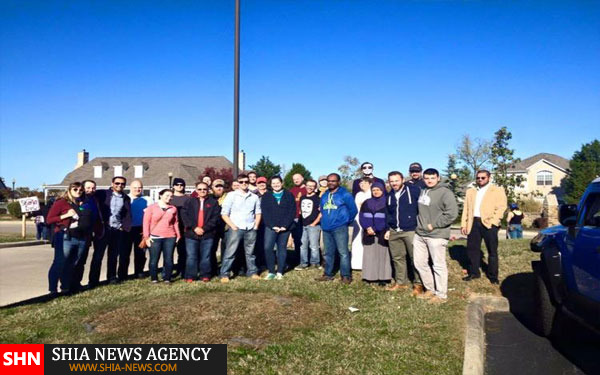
{"x":156,"y":173}
{"x":552,"y":158}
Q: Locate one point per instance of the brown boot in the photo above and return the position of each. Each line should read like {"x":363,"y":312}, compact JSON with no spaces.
{"x":396,"y":287}
{"x":417,"y":290}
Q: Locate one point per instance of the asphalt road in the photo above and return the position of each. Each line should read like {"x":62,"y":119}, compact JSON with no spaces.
{"x":24,"y":272}
{"x":512,"y":347}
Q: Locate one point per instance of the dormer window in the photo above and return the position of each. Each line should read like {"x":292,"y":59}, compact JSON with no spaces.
{"x":97,"y":171}
{"x":118,"y":170}
{"x":138,"y":171}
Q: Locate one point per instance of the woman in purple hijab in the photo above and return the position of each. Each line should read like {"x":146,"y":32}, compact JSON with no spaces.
{"x":376,"y":265}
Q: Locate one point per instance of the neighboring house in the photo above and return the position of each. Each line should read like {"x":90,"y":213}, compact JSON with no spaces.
{"x":156,"y":173}
{"x":542,"y":175}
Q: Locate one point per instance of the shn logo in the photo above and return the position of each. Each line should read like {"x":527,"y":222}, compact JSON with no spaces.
{"x":22,"y":358}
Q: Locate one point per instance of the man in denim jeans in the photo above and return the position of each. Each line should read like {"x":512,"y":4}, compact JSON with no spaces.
{"x":338,"y":211}
{"x":310,"y":217}
{"x":241,"y":212}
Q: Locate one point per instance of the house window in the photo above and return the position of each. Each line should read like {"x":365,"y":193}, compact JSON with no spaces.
{"x":118,"y":170}
{"x":97,"y":171}
{"x":544,"y":178}
{"x":138,"y":171}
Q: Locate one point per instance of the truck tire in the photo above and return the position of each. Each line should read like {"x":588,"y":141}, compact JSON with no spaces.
{"x":545,"y":311}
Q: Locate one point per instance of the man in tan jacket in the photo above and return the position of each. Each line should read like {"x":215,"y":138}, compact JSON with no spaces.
{"x":483,"y":210}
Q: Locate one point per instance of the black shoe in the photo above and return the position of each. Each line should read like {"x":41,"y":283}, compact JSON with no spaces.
{"x":495,"y":281}
{"x":324,"y":278}
{"x":470,"y":277}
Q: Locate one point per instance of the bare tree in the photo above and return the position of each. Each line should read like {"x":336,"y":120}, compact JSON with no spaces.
{"x":474,"y":153}
{"x":349,"y":170}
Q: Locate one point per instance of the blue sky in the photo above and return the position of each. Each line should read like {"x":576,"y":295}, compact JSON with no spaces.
{"x":391,"y":82}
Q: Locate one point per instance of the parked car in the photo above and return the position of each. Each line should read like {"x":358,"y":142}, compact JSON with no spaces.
{"x":568,"y":272}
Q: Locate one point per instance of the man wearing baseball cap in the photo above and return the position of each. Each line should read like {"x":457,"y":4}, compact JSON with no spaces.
{"x":261,"y":186}
{"x":416,"y":179}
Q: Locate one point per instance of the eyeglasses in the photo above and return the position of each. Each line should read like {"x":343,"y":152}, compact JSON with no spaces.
{"x":179,"y":184}
{"x":481,"y":178}
{"x":243,"y":182}
{"x":201,"y":189}
{"x":77,"y":189}
{"x":219,"y":186}
{"x":367,"y":167}
{"x":119,"y":183}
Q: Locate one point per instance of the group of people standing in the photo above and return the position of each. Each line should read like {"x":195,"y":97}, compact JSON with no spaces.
{"x":400,"y":233}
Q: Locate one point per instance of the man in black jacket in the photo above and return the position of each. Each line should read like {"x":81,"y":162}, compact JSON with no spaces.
{"x":115,"y":211}
{"x":201,"y":218}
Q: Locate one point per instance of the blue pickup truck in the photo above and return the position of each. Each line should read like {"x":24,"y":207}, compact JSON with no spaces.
{"x":568,"y":272}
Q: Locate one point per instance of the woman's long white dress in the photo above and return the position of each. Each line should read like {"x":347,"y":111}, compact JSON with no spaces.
{"x":357,"y":232}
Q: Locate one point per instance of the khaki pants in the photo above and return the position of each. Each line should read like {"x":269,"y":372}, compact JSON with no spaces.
{"x":434,"y":278}
{"x":401,"y":251}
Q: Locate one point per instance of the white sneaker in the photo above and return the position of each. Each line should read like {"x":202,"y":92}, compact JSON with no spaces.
{"x":279,"y":276}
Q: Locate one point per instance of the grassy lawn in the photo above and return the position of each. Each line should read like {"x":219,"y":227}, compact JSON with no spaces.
{"x":15,"y":237}
{"x":291,"y":326}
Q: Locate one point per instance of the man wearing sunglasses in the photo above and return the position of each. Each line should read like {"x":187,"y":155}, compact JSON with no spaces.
{"x":482,"y":213}
{"x":201,"y":216}
{"x":179,"y":199}
{"x":367,"y":170}
{"x":416,"y":179}
{"x":241,"y":212}
{"x":115,"y":210}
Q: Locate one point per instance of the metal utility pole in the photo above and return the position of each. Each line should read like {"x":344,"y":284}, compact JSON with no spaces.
{"x":236,"y":92}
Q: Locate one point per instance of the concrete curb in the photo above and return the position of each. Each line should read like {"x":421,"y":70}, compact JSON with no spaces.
{"x":23,"y":243}
{"x":479,"y":305}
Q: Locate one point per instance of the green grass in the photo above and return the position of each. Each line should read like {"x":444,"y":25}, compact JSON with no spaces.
{"x":15,"y":238}
{"x":291,"y":326}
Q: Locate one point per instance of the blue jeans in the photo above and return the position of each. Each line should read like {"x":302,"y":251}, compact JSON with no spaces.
{"x":336,"y":242}
{"x":198,"y":249}
{"x":281,"y":239}
{"x":42,"y":231}
{"x":232,"y":240}
{"x":166,"y":246}
{"x":310,"y":239}
{"x":65,"y":253}
{"x":80,"y":248}
{"x":515,"y":231}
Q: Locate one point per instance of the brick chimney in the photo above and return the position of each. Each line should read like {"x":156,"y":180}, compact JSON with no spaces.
{"x":82,"y":158}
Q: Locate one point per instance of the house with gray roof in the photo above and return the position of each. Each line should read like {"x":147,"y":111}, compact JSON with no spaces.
{"x":542,"y":174}
{"x":155,"y":172}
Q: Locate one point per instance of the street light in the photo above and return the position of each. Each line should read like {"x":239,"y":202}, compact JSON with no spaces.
{"x":13,"y":189}
{"x":170,"y":174}
{"x":236,"y":92}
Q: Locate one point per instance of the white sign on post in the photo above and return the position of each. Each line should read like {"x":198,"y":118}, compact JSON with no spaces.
{"x":29,"y":204}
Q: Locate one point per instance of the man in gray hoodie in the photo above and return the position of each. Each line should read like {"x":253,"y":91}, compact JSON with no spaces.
{"x":437,"y":211}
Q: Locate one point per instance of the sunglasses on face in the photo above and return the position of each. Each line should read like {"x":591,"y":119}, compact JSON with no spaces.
{"x":243,"y":182}
{"x":219,"y":186}
{"x":482,"y":178}
{"x":77,"y":189}
{"x":119,"y":183}
{"x":367,"y":167}
{"x":178,"y":184}
{"x":202,"y":189}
